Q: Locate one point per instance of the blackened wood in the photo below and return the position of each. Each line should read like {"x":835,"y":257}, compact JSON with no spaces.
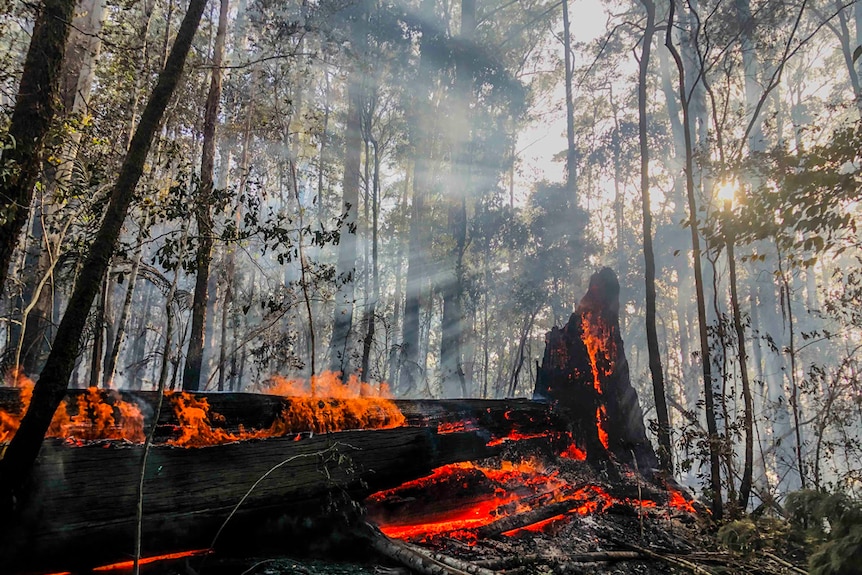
{"x":82,"y":505}
{"x":567,"y":377}
{"x":494,"y":418}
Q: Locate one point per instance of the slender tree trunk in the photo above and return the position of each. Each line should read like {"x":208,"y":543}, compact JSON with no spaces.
{"x":375,"y":268}
{"x":53,"y":382}
{"x":571,"y":158}
{"x":99,"y":332}
{"x":111,"y":363}
{"x":714,"y":455}
{"x":347,"y":248}
{"x":748,"y":463}
{"x":665,"y":451}
{"x":787,"y":304}
{"x":453,"y":287}
{"x":420,"y":150}
{"x":203,"y":212}
{"x":31,"y":120}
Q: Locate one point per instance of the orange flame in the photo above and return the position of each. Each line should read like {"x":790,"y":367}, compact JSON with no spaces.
{"x":574,"y":452}
{"x":323,"y":405}
{"x":95,"y":418}
{"x":678,"y":501}
{"x":597,"y":339}
{"x":327,"y":404}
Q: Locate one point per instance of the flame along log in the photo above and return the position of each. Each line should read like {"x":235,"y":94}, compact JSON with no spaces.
{"x":585,"y":371}
{"x":80,"y":509}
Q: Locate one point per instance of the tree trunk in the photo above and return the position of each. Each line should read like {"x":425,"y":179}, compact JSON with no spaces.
{"x":31,"y":121}
{"x":714,"y":455}
{"x":420,"y":148}
{"x":203,"y":212}
{"x":111,"y":362}
{"x":53,"y":382}
{"x":665,"y":452}
{"x":98,"y":349}
{"x":453,"y":287}
{"x":375,"y":268}
{"x":347,"y":248}
{"x":571,"y":159}
{"x":748,"y":463}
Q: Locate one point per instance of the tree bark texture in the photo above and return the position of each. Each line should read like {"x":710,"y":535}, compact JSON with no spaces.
{"x":31,"y":120}
{"x":54,"y":380}
{"x":203,"y":212}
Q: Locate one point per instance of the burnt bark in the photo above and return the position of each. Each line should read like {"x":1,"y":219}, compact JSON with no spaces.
{"x":203,"y":213}
{"x":585,"y":371}
{"x":54,"y":380}
{"x":31,"y":120}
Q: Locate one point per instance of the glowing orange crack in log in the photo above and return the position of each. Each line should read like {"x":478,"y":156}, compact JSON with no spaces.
{"x":597,"y":339}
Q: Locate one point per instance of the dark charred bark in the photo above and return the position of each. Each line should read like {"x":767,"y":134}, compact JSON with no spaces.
{"x":585,"y":371}
{"x":203,"y":213}
{"x":665,"y":451}
{"x":54,"y":380}
{"x":31,"y":120}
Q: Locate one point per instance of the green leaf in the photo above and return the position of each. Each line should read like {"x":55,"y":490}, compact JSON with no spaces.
{"x":856,"y":53}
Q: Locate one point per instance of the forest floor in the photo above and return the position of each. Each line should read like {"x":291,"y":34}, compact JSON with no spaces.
{"x":631,"y":530}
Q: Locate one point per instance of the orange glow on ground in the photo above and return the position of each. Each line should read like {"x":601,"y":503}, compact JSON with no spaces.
{"x":124,"y":565}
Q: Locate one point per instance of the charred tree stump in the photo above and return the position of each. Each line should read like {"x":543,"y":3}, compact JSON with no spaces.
{"x":585,"y":371}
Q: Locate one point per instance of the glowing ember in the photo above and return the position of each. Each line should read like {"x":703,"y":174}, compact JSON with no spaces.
{"x":516,"y":436}
{"x":125,"y":565}
{"x":515,"y":487}
{"x":678,"y":501}
{"x":597,"y":339}
{"x":456,"y":427}
{"x":574,"y":452}
{"x":537,"y":527}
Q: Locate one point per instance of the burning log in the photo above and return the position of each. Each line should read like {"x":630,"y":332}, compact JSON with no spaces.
{"x":585,"y":371}
{"x":81,"y":510}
